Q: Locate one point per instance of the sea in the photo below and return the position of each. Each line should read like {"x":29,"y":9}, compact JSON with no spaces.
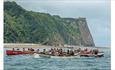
{"x":28,"y":62}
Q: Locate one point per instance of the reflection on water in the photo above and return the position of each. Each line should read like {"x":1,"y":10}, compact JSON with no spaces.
{"x":27,"y":62}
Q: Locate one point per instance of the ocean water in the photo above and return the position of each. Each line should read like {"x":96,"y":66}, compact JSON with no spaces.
{"x":28,"y":62}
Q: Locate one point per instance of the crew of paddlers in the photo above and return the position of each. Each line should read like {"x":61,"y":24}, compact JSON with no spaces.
{"x":29,"y":49}
{"x":61,"y":52}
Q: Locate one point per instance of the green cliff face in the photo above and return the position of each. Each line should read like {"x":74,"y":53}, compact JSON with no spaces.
{"x":22,"y":26}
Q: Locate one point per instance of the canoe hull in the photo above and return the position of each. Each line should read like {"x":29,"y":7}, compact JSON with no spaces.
{"x":50,"y":56}
{"x":76,"y":56}
{"x":92,"y":55}
{"x":11,"y":52}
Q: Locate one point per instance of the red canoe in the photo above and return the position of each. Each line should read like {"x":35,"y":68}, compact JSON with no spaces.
{"x":12,"y":52}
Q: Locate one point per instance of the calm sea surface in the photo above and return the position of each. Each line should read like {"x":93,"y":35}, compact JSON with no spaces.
{"x":27,"y":62}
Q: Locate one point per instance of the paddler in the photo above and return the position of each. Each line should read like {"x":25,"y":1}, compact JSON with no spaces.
{"x":28,"y":49}
{"x":71,"y":52}
{"x":32,"y":49}
{"x":60,"y":52}
{"x":37,"y":51}
{"x":13,"y":49}
{"x":79,"y":49}
{"x":96,"y":51}
{"x":23,"y":49}
{"x":68,"y":52}
{"x":44,"y":51}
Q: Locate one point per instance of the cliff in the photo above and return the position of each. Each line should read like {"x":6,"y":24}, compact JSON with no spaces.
{"x":22,"y":26}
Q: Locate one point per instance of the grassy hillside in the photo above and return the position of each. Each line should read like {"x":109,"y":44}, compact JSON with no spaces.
{"x":22,"y":26}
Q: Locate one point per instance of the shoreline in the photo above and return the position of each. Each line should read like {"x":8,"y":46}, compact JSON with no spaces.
{"x":31,"y":45}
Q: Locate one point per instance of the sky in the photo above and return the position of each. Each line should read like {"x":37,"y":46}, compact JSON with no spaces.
{"x":97,"y":13}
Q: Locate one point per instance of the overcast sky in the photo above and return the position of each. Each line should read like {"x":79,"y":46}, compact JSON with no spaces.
{"x":97,"y":13}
